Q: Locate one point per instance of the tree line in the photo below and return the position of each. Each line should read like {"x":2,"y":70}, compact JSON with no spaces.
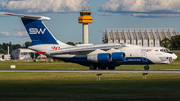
{"x":4,"y":49}
{"x":173,"y":43}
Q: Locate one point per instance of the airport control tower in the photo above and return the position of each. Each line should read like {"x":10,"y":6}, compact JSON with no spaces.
{"x":85,"y":18}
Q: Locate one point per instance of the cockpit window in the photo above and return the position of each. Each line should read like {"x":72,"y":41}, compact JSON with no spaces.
{"x":166,"y":51}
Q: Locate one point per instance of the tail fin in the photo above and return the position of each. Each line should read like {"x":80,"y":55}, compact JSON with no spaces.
{"x":38,"y":32}
{"x":42,"y":38}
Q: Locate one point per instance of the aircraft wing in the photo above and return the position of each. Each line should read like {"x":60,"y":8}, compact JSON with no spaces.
{"x":85,"y":49}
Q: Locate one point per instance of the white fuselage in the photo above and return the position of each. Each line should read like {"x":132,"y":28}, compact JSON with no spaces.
{"x":134,"y":54}
{"x":153,"y":54}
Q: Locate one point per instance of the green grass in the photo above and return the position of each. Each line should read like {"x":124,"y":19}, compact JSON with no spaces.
{"x":85,"y":87}
{"x":24,"y":86}
{"x":29,"y":64}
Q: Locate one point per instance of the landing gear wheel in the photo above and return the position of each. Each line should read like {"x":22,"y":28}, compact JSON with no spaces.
{"x":146,"y":67}
{"x":92,"y":67}
{"x":111,"y":68}
{"x":102,"y":68}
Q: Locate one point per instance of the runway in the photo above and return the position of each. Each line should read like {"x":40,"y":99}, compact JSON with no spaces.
{"x":94,"y":71}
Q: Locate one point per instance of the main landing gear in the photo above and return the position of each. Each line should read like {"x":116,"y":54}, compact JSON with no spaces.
{"x":111,"y":68}
{"x":94,"y":67}
{"x":146,"y":67}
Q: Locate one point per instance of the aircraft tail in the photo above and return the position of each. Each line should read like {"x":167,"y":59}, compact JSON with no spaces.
{"x":39,"y":33}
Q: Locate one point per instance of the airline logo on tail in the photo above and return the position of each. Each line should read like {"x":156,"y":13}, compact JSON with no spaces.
{"x":36,"y":31}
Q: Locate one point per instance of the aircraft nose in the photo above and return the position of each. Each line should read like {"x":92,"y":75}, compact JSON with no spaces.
{"x":174,"y":57}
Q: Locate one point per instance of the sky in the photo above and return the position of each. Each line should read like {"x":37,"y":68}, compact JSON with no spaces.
{"x":106,"y":14}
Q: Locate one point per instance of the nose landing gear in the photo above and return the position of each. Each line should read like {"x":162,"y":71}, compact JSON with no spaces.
{"x":146,"y":67}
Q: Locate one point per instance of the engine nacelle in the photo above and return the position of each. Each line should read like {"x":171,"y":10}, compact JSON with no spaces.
{"x":99,"y":58}
{"x":118,"y":56}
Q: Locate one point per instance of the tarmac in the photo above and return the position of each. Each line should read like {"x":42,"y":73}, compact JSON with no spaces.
{"x":94,"y":71}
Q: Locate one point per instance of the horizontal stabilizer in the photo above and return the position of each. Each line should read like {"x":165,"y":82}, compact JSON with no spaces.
{"x":33,"y":17}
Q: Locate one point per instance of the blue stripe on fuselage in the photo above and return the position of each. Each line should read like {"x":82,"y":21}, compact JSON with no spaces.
{"x":137,"y":60}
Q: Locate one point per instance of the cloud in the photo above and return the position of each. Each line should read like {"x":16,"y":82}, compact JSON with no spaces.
{"x":21,"y":34}
{"x":141,"y":15}
{"x":43,"y":6}
{"x":5,"y":34}
{"x":106,"y":14}
{"x":20,"y":29}
{"x":146,"y":8}
{"x":2,"y":13}
{"x":18,"y":34}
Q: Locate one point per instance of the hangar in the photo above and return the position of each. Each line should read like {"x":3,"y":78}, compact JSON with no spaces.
{"x":138,"y":36}
{"x":21,"y":53}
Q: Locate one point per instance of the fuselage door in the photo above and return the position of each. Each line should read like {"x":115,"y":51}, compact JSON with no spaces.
{"x":144,"y":57}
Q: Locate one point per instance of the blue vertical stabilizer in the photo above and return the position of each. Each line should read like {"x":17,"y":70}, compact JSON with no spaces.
{"x":38,"y":32}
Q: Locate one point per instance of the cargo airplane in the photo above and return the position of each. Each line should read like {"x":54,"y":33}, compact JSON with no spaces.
{"x":102,"y":56}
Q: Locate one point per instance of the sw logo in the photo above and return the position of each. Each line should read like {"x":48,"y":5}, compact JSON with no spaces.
{"x":35,"y":31}
{"x":55,"y":48}
{"x":145,"y":50}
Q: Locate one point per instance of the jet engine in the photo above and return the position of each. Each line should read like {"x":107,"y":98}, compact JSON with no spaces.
{"x":99,"y":57}
{"x":118,"y":56}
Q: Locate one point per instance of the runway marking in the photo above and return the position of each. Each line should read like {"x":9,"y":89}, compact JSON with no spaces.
{"x":96,"y":71}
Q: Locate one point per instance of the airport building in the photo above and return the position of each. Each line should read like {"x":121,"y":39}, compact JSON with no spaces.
{"x":22,"y":54}
{"x":139,"y":36}
{"x":5,"y":57}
